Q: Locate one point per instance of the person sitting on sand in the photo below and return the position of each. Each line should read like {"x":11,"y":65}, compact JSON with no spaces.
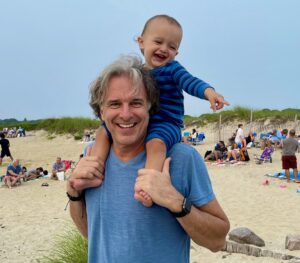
{"x":13,"y":173}
{"x":36,"y":173}
{"x":289,"y":159}
{"x":233,"y":153}
{"x":219,"y":153}
{"x":58,"y":166}
{"x":4,"y":148}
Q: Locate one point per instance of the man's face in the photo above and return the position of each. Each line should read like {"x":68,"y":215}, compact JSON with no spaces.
{"x":160,"y":42}
{"x":16,"y":163}
{"x":58,"y":160}
{"x":125,"y":112}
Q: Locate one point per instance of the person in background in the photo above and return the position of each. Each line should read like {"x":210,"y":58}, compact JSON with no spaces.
{"x":13,"y":173}
{"x":239,"y":138}
{"x":4,"y":148}
{"x":289,"y":159}
{"x":58,"y":166}
{"x":219,"y":153}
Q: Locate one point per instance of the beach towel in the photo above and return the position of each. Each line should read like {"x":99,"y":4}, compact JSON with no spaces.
{"x":281,"y":175}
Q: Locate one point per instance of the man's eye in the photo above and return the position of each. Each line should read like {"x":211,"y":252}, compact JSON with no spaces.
{"x":114,"y":105}
{"x":173,"y":48}
{"x":157,"y":41}
{"x":136,"y":104}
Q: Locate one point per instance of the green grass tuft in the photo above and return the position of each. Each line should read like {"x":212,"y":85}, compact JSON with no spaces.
{"x":69,"y":247}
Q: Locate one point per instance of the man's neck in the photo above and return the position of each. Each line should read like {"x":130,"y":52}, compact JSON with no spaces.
{"x":126,"y":153}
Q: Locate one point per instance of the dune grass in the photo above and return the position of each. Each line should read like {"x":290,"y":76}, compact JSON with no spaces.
{"x":69,"y":247}
{"x":243,"y":114}
{"x":66,"y":125}
{"x":77,"y":125}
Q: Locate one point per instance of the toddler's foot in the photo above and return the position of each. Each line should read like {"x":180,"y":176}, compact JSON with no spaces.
{"x":144,"y":198}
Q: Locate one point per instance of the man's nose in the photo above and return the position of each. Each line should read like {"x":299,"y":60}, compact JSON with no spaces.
{"x":126,"y":112}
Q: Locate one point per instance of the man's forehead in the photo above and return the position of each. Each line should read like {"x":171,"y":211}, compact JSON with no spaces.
{"x":124,"y":86}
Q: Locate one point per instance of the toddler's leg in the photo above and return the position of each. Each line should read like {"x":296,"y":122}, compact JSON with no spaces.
{"x":101,"y":146}
{"x":156,"y":155}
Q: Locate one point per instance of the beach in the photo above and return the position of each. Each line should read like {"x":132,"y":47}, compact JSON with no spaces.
{"x":31,"y":215}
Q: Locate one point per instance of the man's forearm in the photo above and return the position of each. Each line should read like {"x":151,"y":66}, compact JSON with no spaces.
{"x":78,"y":214}
{"x":207,"y":226}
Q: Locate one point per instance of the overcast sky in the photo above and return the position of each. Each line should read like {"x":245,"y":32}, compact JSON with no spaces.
{"x":50,"y":51}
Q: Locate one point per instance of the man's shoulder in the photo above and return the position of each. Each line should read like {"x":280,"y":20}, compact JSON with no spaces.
{"x":10,"y":166}
{"x":182,"y":150}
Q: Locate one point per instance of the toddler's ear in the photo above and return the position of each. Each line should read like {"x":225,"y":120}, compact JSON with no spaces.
{"x":140,"y":41}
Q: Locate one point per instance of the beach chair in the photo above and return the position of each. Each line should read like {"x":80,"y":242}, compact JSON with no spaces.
{"x":266,"y":156}
{"x":199,"y":138}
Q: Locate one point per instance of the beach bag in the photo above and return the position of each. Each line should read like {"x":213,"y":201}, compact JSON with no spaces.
{"x":244,"y":155}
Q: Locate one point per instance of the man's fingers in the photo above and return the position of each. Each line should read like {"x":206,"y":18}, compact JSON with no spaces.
{"x":81,"y":184}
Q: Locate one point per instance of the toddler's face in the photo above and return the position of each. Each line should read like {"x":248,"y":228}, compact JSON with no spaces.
{"x":160,"y":42}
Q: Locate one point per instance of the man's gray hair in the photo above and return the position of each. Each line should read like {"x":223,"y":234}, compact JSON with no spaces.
{"x":132,"y":67}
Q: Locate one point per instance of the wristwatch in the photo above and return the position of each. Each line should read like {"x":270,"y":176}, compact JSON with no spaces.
{"x":75,"y":198}
{"x":186,"y":208}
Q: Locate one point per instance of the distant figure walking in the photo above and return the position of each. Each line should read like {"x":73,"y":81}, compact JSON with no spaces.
{"x":4,"y":148}
{"x":289,"y":159}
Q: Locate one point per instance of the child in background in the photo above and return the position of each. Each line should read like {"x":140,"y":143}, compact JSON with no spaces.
{"x":4,"y":148}
{"x":159,"y":44}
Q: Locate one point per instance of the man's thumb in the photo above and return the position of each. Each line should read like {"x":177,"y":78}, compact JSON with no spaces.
{"x":166,"y":166}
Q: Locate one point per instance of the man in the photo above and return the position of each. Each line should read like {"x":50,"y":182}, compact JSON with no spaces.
{"x":14,"y":170}
{"x":289,"y":159}
{"x":4,"y":148}
{"x":57,"y":167}
{"x":117,"y":226}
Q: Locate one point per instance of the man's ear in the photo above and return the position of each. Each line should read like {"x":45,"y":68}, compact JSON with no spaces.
{"x":101,"y":114}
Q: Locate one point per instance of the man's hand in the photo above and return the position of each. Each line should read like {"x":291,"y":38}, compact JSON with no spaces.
{"x":87,"y":173}
{"x":159,"y":186}
{"x":216,"y":100}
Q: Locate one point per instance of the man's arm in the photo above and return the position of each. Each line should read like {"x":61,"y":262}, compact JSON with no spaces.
{"x":87,"y":173}
{"x":12,"y":173}
{"x":77,"y":211}
{"x":206,"y":225}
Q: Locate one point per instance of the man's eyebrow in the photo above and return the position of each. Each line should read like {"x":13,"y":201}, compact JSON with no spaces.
{"x":112,"y":101}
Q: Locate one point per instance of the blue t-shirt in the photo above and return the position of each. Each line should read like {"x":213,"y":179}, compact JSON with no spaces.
{"x":120,"y":229}
{"x":16,"y":169}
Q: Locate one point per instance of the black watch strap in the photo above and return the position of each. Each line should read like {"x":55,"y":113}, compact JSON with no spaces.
{"x":75,"y":198}
{"x":186,"y":208}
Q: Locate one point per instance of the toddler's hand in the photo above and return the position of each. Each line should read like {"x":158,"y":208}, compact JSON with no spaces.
{"x":216,"y":100}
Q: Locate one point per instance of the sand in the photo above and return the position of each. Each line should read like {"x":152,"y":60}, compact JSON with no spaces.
{"x":31,"y":216}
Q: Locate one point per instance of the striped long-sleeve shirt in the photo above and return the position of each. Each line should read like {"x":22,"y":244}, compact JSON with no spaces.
{"x":173,"y":79}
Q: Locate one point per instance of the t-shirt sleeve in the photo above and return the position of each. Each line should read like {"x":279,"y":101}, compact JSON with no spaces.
{"x":186,"y":81}
{"x":190,"y":176}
